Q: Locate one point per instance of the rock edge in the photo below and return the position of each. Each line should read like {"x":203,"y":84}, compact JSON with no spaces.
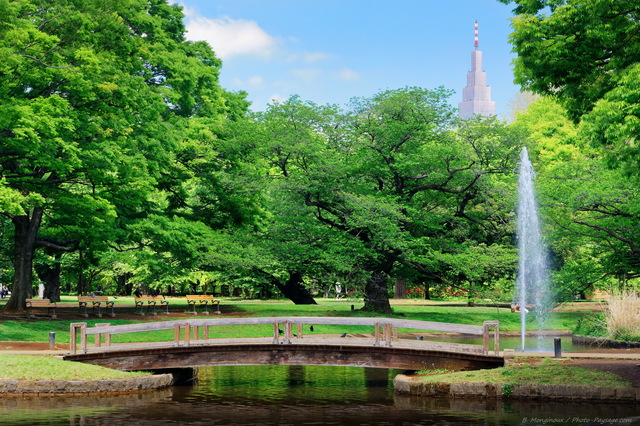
{"x":107,"y":386}
{"x":409,"y":385}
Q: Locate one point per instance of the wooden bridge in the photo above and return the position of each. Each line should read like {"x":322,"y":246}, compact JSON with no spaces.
{"x":192,"y":345}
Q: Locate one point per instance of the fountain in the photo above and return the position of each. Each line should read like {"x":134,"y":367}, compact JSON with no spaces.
{"x":533,"y":295}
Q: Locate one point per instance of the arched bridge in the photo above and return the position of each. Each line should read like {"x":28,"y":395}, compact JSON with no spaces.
{"x":193,"y":344}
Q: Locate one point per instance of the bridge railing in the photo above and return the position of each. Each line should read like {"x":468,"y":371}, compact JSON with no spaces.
{"x":196,"y":331}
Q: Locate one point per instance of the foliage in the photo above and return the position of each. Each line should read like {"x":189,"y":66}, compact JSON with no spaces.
{"x":578,"y":51}
{"x":387,"y":188}
{"x":593,"y":325}
{"x":100,"y":105}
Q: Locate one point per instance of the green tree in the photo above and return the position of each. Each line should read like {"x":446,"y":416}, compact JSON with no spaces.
{"x":391,"y":178}
{"x":93,"y":95}
{"x":575,"y":50}
{"x":585,"y":55}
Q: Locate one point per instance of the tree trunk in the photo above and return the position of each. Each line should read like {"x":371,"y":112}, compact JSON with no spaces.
{"x":124,"y":286}
{"x":26,"y":231}
{"x":295,"y":291}
{"x":400,"y":289}
{"x":376,"y":293}
{"x":50,"y":275}
{"x":292,"y":289}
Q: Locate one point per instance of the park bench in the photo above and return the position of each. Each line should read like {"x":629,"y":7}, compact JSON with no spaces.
{"x":151,"y":302}
{"x":40,"y":303}
{"x":203,"y":301}
{"x":96,"y":304}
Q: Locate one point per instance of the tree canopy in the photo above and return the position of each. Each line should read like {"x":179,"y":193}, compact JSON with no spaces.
{"x":94,"y":97}
{"x":584,"y":54}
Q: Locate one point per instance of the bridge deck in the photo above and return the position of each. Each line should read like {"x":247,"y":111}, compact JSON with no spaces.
{"x":192,"y":345}
{"x":138,"y":357}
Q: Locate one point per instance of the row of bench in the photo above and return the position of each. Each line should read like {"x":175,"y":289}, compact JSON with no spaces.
{"x":202,"y":301}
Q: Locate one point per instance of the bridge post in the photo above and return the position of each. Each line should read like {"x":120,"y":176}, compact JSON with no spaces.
{"x":276,"y":333}
{"x":387,"y":334}
{"x":72,"y":337}
{"x":195,"y":332}
{"x":376,"y":341}
{"x":496,"y":336}
{"x":176,"y":334}
{"x":287,"y":332}
{"x":187,"y":334}
{"x":107,"y":336}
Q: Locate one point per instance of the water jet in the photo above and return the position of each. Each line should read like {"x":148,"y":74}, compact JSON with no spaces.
{"x":532,"y":282}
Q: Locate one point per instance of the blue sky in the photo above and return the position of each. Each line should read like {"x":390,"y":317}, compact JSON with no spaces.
{"x":328,"y":51}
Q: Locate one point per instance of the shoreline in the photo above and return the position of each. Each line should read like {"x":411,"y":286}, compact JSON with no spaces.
{"x":38,"y":388}
{"x":408,"y":385}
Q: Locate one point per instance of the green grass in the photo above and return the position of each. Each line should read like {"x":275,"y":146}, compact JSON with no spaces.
{"x":38,"y":331}
{"x":32,"y":367}
{"x":40,"y":367}
{"x":549,"y":372}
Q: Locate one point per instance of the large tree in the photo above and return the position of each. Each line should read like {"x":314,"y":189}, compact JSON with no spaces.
{"x":92,"y":97}
{"x":394,"y":179}
{"x":575,"y":50}
{"x":585,"y":54}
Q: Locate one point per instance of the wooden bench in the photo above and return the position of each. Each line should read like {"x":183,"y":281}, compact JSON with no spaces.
{"x":40,"y":303}
{"x":151,"y":301}
{"x":203,"y":300}
{"x":96,"y":304}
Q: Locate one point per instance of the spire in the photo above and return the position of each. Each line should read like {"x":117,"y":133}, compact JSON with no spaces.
{"x":476,"y":43}
{"x":476,"y":96}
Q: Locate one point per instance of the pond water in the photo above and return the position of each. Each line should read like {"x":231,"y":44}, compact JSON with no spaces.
{"x":299,"y":395}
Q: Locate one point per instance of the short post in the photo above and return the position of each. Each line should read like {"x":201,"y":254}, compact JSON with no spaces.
{"x":73,"y":346}
{"x":557,"y":347}
{"x":486,"y":326}
{"x":107,"y":336}
{"x":387,"y":334}
{"x":52,"y":341}
{"x":176,"y":334}
{"x":287,"y":333}
{"x":187,"y":334}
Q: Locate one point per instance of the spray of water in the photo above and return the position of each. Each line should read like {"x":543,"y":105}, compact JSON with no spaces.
{"x":533,"y":295}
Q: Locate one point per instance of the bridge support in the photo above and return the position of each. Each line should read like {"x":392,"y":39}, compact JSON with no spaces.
{"x":181,"y":376}
{"x":298,"y":354}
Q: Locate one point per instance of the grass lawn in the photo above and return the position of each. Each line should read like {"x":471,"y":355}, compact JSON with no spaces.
{"x":549,"y":372}
{"x":32,"y":367}
{"x":38,"y":331}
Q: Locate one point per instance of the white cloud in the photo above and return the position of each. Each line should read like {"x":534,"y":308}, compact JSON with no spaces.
{"x":307,"y":75}
{"x":315,"y":56}
{"x":347,"y":74}
{"x":277,"y":99}
{"x":256,"y":80}
{"x":230,"y":37}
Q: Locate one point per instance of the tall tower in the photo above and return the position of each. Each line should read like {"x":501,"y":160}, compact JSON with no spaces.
{"x":476,"y":96}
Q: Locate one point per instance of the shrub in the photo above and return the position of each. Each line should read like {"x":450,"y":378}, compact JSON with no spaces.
{"x":623,"y":316}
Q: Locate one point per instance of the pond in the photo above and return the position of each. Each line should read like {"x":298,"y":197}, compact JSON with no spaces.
{"x":297,"y":395}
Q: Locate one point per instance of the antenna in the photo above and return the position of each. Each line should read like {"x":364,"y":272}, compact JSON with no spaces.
{"x":476,"y":44}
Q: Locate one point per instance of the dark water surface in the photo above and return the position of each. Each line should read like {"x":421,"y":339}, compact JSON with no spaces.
{"x":299,"y":395}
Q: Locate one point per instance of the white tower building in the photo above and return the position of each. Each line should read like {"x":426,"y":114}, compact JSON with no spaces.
{"x":476,"y":96}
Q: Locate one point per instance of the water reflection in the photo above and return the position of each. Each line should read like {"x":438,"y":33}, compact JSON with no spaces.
{"x":296,"y":395}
